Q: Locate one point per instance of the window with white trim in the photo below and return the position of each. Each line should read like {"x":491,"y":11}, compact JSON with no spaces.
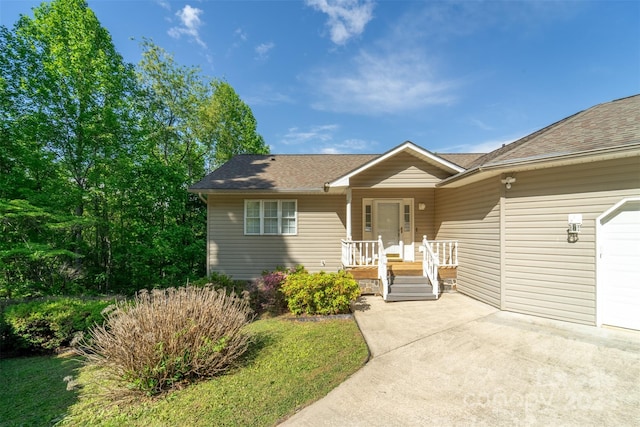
{"x":407,"y":217}
{"x":270,"y":217}
{"x":367,"y":217}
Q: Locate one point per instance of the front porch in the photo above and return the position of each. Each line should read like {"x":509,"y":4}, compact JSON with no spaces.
{"x":387,"y":274}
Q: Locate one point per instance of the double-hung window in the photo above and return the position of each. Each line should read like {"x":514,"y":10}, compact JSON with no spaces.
{"x":271,"y":217}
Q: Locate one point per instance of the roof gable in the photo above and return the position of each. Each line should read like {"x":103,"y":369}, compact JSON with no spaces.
{"x":407,"y":147}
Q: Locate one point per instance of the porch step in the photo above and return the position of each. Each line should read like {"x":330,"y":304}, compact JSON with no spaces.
{"x":410,"y":288}
{"x":411,"y":297}
{"x":405,"y":269}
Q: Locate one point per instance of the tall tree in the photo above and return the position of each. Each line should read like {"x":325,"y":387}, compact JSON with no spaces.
{"x":229,"y":126}
{"x":95,"y":159}
{"x":65,"y":98}
{"x":185,"y":127}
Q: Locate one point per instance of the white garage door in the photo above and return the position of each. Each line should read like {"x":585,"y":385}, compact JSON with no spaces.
{"x":619,"y":266}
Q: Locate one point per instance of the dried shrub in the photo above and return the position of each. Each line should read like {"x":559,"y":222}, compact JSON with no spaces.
{"x":166,"y":338}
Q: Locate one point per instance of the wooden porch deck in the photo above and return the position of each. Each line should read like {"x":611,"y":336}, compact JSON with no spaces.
{"x":399,"y":268}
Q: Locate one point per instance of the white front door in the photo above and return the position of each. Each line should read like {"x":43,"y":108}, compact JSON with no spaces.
{"x":387,"y":224}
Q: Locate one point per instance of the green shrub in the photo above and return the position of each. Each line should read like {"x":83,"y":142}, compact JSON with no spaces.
{"x":168,"y":337}
{"x":222,"y":281}
{"x":43,"y":325}
{"x":320,"y":293}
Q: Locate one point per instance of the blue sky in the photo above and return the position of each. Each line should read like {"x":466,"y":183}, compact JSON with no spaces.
{"x":350,"y":76}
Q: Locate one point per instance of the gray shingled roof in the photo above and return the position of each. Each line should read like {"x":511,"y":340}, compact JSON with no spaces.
{"x":284,"y":172}
{"x":291,"y":172}
{"x":607,"y":125}
{"x":461,"y":159}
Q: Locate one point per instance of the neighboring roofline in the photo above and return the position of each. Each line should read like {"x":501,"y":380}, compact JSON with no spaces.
{"x":344,"y":180}
{"x":557,"y":159}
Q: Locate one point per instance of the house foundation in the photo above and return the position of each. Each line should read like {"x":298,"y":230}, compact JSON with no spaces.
{"x":369,"y":286}
{"x":448,"y":278}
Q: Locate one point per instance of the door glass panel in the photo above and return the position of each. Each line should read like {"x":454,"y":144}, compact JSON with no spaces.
{"x":388,"y":225}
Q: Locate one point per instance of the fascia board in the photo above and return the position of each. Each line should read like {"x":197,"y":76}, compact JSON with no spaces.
{"x":259,"y":191}
{"x":492,"y":169}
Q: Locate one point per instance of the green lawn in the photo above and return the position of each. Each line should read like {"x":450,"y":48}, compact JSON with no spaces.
{"x":33,"y":391}
{"x":291,"y":365}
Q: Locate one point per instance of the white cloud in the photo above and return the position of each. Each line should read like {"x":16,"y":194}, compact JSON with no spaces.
{"x":190,"y":23}
{"x":322,"y":139}
{"x":482,"y":147}
{"x":381,"y":83}
{"x":164,"y":4}
{"x":482,"y":125}
{"x":315,"y":134}
{"x":267,"y":95}
{"x":347,"y":18}
{"x":347,"y":146}
{"x":263,"y":49}
{"x":240,"y":34}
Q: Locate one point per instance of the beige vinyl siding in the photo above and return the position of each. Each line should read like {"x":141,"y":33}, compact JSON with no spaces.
{"x":423,"y":220}
{"x":544,"y":274}
{"x":400,"y":171}
{"x":471,"y":215}
{"x":321,"y":226}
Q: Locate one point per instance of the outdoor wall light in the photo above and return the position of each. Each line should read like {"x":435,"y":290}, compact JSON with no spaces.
{"x":421,"y":206}
{"x":508,"y":181}
{"x":575,"y":225}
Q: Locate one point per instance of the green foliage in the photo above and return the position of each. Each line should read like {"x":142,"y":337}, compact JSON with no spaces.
{"x":229,"y":125}
{"x":226,"y":283}
{"x":33,"y":261}
{"x":97,"y":156}
{"x":166,"y":338}
{"x":320,"y":293}
{"x":221,"y":281}
{"x":44,"y":325}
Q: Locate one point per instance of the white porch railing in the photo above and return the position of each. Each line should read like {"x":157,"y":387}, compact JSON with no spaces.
{"x":445,"y":250}
{"x":382,"y":269}
{"x":361,"y":253}
{"x":370,"y":253}
{"x":430,"y":264}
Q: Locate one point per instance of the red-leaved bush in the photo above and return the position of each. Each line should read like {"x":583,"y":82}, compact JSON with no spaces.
{"x":268,"y":289}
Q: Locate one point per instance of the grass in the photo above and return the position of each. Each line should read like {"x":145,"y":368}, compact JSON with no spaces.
{"x":290,"y":365}
{"x":33,"y":392}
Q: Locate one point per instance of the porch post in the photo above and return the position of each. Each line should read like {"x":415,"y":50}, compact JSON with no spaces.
{"x":349,"y":234}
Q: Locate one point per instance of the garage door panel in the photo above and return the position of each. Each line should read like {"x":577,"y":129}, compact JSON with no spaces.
{"x":619,"y":264}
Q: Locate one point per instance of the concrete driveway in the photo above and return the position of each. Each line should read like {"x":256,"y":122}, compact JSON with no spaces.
{"x":457,"y":361}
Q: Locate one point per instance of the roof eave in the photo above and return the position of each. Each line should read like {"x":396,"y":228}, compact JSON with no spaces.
{"x":495,"y":168}
{"x":254,"y":191}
